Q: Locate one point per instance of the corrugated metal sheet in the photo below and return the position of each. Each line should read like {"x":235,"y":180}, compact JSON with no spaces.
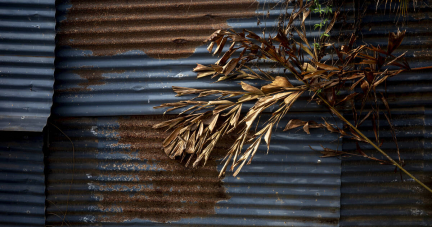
{"x":22,"y":180}
{"x":373,"y":194}
{"x":123,"y":178}
{"x":27,"y":43}
{"x":92,"y":81}
{"x":126,"y":68}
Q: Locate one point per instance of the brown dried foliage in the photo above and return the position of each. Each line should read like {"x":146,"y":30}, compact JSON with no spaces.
{"x":200,"y":126}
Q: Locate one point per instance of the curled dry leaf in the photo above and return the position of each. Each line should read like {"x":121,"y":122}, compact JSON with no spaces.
{"x":394,"y":41}
{"x":277,"y":85}
{"x":251,"y":89}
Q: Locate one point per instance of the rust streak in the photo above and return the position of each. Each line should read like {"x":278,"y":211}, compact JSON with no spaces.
{"x":172,"y":194}
{"x":162,"y":29}
{"x":141,"y":182}
{"x":92,"y":77}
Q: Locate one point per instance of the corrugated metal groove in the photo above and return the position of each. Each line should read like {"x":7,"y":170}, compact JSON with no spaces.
{"x":27,"y":43}
{"x":22,"y":180}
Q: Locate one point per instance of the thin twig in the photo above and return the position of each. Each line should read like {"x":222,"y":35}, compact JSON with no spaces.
{"x":372,"y":143}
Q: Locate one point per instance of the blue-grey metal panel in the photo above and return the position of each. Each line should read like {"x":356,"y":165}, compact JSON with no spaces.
{"x":27,"y":43}
{"x":22,"y":180}
{"x":123,"y":178}
{"x":105,"y":73}
{"x":373,"y":194}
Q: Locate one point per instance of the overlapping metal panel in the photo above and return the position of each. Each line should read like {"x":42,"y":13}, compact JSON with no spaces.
{"x":122,"y":59}
{"x":27,"y":43}
{"x":118,"y":175}
{"x":373,"y":194}
{"x":22,"y":179}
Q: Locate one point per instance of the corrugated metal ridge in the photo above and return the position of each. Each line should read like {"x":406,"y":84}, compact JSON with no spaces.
{"x":22,"y":180}
{"x":122,"y":178}
{"x":27,"y":43}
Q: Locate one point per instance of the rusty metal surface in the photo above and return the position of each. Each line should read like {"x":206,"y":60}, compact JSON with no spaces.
{"x":22,"y":179}
{"x":27,"y":43}
{"x":102,"y":75}
{"x":133,"y":71}
{"x":161,"y":29}
{"x":121,"y":177}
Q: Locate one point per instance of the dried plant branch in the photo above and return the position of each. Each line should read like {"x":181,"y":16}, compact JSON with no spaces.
{"x":201,"y":124}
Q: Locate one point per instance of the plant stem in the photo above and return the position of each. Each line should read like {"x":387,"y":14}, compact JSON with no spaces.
{"x":372,"y":143}
{"x":358,"y":131}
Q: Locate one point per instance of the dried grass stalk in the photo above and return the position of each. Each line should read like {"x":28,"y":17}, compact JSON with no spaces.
{"x":202,"y":124}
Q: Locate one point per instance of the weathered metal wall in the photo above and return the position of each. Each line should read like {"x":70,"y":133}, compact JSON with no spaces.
{"x":121,"y":177}
{"x":122,"y":59}
{"x":125,"y":60}
{"x":373,"y":194}
{"x":22,"y":179}
{"x":27,"y":43}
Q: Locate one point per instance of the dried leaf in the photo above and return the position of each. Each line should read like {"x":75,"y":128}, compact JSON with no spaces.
{"x":210,"y":47}
{"x":355,"y":84}
{"x":348,"y":97}
{"x":324,"y":66}
{"x":367,"y":115}
{"x":306,"y":128}
{"x":394,"y":41}
{"x":292,"y":97}
{"x":235,"y":119}
{"x":308,"y":68}
{"x":171,"y":137}
{"x":276,"y":85}
{"x":332,"y":22}
{"x":251,"y":89}
{"x":213,"y":122}
{"x":220,"y":102}
{"x":220,"y":46}
{"x":314,"y":74}
{"x":307,"y":50}
{"x":330,"y":127}
{"x":365,"y":86}
{"x":228,"y":68}
{"x":267,"y":136}
{"x":294,"y":123}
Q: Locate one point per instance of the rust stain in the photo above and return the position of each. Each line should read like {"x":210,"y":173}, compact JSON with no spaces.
{"x":173,"y":194}
{"x":92,"y":77}
{"x":162,"y":29}
{"x":143,"y":184}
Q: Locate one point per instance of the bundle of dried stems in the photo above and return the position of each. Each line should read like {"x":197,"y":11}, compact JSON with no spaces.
{"x":332,"y":83}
